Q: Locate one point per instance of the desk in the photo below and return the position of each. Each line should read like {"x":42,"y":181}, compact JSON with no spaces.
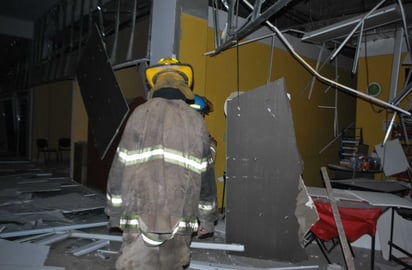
{"x":341,"y":172}
{"x":387,"y":186}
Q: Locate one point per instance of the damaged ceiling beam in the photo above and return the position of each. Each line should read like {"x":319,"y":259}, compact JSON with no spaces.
{"x":377,"y":18}
{"x":336,"y":84}
{"x":314,"y":72}
{"x":253,"y":23}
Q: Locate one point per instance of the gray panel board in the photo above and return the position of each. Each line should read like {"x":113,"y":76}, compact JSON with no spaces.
{"x":104,"y":101}
{"x":393,"y":157}
{"x":24,"y":254}
{"x":263,"y":168}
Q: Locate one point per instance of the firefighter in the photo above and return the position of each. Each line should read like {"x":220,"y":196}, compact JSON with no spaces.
{"x":159,"y":170}
{"x":208,"y":202}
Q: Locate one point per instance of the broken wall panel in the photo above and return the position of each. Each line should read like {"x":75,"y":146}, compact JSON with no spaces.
{"x":104,"y":101}
{"x":263,"y":173}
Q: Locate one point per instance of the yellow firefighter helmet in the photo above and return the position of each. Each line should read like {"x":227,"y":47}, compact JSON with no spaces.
{"x":169,"y":64}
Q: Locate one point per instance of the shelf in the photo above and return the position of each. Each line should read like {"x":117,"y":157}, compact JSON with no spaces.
{"x":352,"y":143}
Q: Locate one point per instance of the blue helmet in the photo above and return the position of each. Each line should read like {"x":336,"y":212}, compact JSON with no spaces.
{"x":199,"y":103}
{"x":202,"y":105}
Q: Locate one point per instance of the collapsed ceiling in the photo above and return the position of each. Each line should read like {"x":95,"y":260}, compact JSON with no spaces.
{"x":298,"y":17}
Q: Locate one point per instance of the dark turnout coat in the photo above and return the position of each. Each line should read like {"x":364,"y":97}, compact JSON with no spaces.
{"x":159,"y":171}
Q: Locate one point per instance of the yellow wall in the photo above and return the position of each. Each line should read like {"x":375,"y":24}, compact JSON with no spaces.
{"x":80,"y":119}
{"x":371,"y":117}
{"x":52,"y":106}
{"x":131,"y":85}
{"x":130,"y":82}
{"x":217,"y":76}
{"x":58,"y":109}
{"x":314,"y":126}
{"x":194,"y":29}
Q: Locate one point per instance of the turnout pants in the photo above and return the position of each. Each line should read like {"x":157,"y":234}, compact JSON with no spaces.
{"x":173,"y":254}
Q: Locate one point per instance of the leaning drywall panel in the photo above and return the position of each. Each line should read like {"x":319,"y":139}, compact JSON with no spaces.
{"x":105,"y":104}
{"x":263,"y":173}
{"x":393,"y":157}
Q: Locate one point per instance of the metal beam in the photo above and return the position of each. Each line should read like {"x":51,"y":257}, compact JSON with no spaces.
{"x":334,"y":83}
{"x":359,"y":24}
{"x":339,"y":225}
{"x":402,"y":94}
{"x":132,"y":31}
{"x":217,"y":246}
{"x":116,"y":32}
{"x":377,"y":18}
{"x":251,"y":25}
{"x":248,"y":28}
{"x":90,"y":247}
{"x":52,"y":229}
{"x":405,"y":25}
{"x":312,"y":83}
{"x":396,"y":63}
{"x":202,"y":245}
{"x":53,"y":238}
{"x":216,"y":23}
{"x":358,"y":48}
{"x":317,"y":74}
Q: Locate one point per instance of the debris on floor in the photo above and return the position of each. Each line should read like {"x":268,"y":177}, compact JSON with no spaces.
{"x":50,"y":222}
{"x":41,"y":205}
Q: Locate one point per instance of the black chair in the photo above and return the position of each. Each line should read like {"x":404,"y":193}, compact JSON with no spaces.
{"x":43,"y":148}
{"x":64,"y":145}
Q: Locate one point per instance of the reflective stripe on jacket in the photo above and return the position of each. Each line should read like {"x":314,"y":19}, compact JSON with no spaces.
{"x":114,"y":200}
{"x":193,"y":163}
{"x":159,"y":168}
{"x":184,"y":225}
{"x":206,"y":207}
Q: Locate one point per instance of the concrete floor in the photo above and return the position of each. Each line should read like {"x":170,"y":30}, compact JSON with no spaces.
{"x":60,"y":252}
{"x":209,"y":259}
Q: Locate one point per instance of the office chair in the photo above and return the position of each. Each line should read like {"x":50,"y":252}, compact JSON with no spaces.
{"x":64,"y":145}
{"x":43,"y":148}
